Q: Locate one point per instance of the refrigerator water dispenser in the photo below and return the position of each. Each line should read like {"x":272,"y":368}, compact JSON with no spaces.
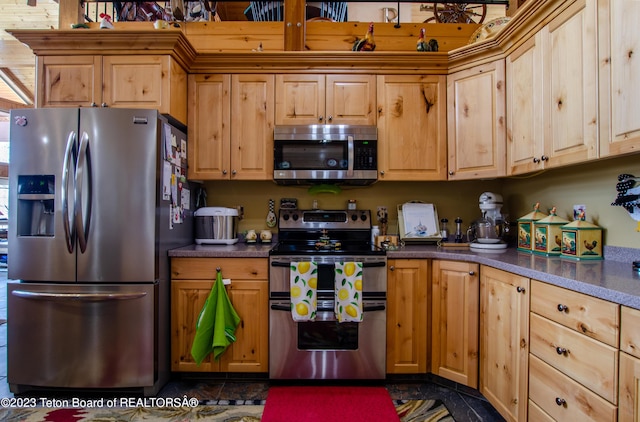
{"x":36,"y":205}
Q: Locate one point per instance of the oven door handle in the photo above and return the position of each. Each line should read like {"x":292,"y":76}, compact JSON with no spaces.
{"x":364,"y":264}
{"x":365,"y":308}
{"x":286,"y":308}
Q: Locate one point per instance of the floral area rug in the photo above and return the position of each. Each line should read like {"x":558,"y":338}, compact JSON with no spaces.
{"x":208,"y":411}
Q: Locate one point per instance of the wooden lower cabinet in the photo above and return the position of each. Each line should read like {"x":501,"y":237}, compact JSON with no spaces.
{"x":455,"y":290}
{"x":564,"y":399}
{"x":191,"y":283}
{"x":629,"y":402}
{"x":407,"y":316}
{"x":629,"y":399}
{"x":504,"y":341}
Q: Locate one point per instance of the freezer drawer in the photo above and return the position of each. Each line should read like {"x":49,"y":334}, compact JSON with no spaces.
{"x":81,"y":336}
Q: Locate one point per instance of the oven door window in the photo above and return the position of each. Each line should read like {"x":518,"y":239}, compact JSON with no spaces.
{"x":327,"y":335}
{"x":311,"y":155}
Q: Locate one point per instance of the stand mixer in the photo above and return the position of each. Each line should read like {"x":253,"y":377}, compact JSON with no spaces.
{"x":487,"y":232}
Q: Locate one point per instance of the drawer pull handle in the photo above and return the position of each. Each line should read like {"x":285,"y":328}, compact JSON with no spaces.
{"x":520,"y":289}
{"x":561,"y":350}
{"x":563,"y":308}
{"x":560,"y":401}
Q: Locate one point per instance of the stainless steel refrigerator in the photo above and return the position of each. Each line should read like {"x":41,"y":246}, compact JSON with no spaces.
{"x":97,"y":196}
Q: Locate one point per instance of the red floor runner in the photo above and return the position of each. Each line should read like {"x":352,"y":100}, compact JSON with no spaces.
{"x":328,"y":404}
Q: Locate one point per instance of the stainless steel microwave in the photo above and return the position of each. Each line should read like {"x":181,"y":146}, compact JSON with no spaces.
{"x":344,"y":154}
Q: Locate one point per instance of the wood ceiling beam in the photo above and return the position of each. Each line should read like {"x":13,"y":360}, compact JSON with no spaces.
{"x":16,"y":85}
{"x":6,"y":105}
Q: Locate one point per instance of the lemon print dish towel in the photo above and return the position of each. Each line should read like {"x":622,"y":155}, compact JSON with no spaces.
{"x":303,"y":289}
{"x":348,"y":285}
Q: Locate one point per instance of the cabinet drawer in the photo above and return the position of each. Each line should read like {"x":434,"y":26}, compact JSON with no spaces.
{"x":563,"y":398}
{"x":588,"y":315}
{"x":587,"y":361}
{"x":205,"y":268}
{"x":629,"y":333}
{"x":536,"y":414}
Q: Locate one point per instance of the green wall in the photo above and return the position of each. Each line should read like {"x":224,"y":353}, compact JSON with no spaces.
{"x":592,"y":184}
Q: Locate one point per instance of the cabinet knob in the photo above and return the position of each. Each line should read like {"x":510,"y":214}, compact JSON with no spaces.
{"x":536,"y":160}
{"x":544,"y":158}
{"x":472,"y":273}
{"x":560,"y":401}
{"x":381,"y":172}
{"x":94,"y":105}
{"x":563,"y":308}
{"x":224,"y":171}
{"x":520,"y":289}
{"x":233,"y":172}
{"x":561,"y":350}
{"x":320,"y":118}
{"x":392,"y":268}
{"x":330,"y":118}
{"x":451,"y":172}
{"x":104,"y":105}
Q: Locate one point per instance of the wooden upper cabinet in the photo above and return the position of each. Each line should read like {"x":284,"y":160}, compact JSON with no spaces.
{"x":209,"y":140}
{"x":412,"y":127}
{"x":552,"y":93}
{"x":476,"y":122}
{"x":129,"y":81}
{"x":619,"y":77}
{"x":231,"y":121}
{"x":69,"y":81}
{"x":325,"y":99}
{"x":252,"y":121}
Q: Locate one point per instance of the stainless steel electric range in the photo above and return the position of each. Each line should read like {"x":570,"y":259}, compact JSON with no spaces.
{"x":325,"y":348}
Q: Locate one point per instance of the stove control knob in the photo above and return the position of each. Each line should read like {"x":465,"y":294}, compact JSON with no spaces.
{"x":285,"y":217}
{"x":363,"y":217}
{"x":354,"y":217}
{"x":295,"y":217}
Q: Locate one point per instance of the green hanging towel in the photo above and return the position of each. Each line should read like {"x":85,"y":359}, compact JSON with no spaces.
{"x":216,"y":324}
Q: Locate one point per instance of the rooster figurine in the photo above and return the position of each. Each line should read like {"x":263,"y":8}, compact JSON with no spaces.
{"x":367,"y":43}
{"x":421,"y":45}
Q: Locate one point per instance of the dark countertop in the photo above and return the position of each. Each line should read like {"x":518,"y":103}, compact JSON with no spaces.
{"x":607,"y":279}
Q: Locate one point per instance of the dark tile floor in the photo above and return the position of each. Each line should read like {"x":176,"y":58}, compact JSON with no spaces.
{"x":465,"y":404}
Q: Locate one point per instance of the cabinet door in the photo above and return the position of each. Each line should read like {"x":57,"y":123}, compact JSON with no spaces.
{"x":351,"y":100}
{"x":619,"y":77}
{"x":524,"y":108}
{"x":476,"y":122}
{"x":629,"y":402}
{"x":69,"y":81}
{"x":412,"y":127}
{"x":144,"y":82}
{"x":407,"y":316}
{"x":300,"y":99}
{"x":571,"y":93}
{"x":454,"y":322}
{"x":250,"y":352}
{"x":187,"y":299}
{"x":504,"y":341}
{"x":252,"y":117}
{"x":209,"y":137}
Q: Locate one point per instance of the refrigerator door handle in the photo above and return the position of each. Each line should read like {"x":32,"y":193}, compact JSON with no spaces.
{"x":84,"y":297}
{"x":82,"y":220}
{"x":68,"y":165}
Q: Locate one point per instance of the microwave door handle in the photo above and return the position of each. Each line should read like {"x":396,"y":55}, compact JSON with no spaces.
{"x":68,"y":165}
{"x":350,"y":156}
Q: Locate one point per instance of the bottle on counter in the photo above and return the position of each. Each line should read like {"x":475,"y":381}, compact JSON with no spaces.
{"x":375,"y":232}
